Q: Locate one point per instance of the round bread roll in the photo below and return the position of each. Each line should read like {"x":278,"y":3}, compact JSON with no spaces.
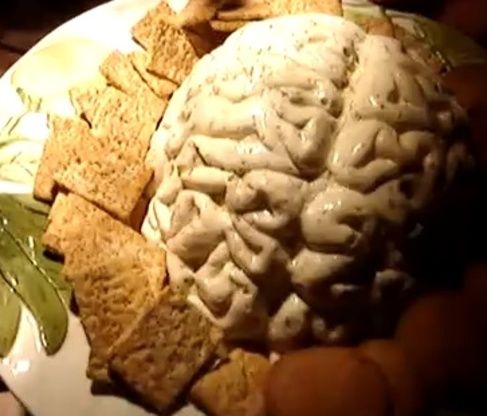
{"x":326,"y":381}
{"x":406,"y":391}
{"x":441,"y":341}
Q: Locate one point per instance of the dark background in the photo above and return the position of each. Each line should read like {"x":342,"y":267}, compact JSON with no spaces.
{"x":24,"y":22}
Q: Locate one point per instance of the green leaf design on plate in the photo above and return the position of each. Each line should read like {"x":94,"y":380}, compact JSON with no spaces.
{"x":10,"y":313}
{"x":35,"y":278}
{"x":30,"y":102}
{"x":20,"y":144}
{"x":454,"y":48}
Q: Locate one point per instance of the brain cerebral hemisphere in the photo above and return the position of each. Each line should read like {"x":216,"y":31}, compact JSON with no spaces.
{"x":285,"y":166}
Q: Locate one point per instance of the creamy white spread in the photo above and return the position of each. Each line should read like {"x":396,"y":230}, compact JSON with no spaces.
{"x":286,"y":164}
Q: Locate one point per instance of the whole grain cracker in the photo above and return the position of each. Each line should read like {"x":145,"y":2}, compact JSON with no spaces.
{"x":84,"y":100}
{"x":372,"y":24}
{"x":125,"y":121}
{"x":115,"y":272}
{"x":173,"y":56}
{"x":227,"y":26}
{"x":117,"y":68}
{"x":233,"y":388}
{"x":204,"y":38}
{"x":164,"y":350}
{"x":72,"y":217}
{"x":108,"y":181}
{"x":65,"y":137}
{"x":145,"y":32}
{"x":162,"y":87}
{"x":249,"y":11}
{"x":285,"y":7}
{"x":198,"y":11}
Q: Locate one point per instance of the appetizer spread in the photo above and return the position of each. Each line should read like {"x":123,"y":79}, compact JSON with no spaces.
{"x":242,"y":186}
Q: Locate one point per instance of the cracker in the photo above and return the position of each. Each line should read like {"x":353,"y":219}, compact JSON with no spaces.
{"x":115,"y":272}
{"x":108,"y":181}
{"x":174,"y":56}
{"x":204,"y":38}
{"x":117,"y":68}
{"x":372,"y":24}
{"x":72,"y":217}
{"x":65,"y":222}
{"x":285,"y":7}
{"x":169,"y":344}
{"x":127,"y":122}
{"x":227,"y":26}
{"x":234,"y":387}
{"x":84,"y":99}
{"x":198,"y":11}
{"x":60,"y":147}
{"x":162,"y":87}
{"x":146,"y":31}
{"x":250,"y":11}
{"x":108,"y":167}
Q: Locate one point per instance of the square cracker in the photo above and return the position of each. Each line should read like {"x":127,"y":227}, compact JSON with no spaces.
{"x":124,"y":122}
{"x":117,"y":68}
{"x":145,"y":31}
{"x":115,"y":272}
{"x":377,"y":24}
{"x":72,"y":217}
{"x":285,"y":7}
{"x":227,"y":26}
{"x":66,"y":136}
{"x":162,"y":87}
{"x":248,"y":11}
{"x":107,"y":180}
{"x":84,"y":100}
{"x":107,"y":163}
{"x":164,"y":350}
{"x":233,"y":389}
{"x":173,"y":56}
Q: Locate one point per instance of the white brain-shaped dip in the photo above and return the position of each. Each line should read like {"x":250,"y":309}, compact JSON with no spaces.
{"x":287,"y":165}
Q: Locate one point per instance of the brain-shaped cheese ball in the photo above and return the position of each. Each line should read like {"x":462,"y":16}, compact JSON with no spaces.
{"x":288,"y":165}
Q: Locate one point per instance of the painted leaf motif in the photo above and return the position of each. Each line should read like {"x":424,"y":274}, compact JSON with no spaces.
{"x":35,"y":278}
{"x":10,"y":313}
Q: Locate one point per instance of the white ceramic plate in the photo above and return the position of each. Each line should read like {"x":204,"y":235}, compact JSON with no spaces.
{"x":57,"y":385}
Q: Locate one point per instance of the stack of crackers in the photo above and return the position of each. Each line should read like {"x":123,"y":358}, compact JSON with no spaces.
{"x":94,"y":172}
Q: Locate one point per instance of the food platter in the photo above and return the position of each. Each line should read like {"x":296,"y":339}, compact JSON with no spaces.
{"x":36,"y":90}
{"x":57,"y":385}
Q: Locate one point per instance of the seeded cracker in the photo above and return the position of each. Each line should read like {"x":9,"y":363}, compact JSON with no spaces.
{"x":199,"y":11}
{"x":234,"y":387}
{"x":379,"y":24}
{"x":112,"y":184}
{"x":249,"y":11}
{"x":115,"y":272}
{"x":169,"y":344}
{"x":227,"y":26}
{"x":145,"y":32}
{"x":120,"y":73}
{"x":174,"y":56}
{"x":72,"y":217}
{"x":66,"y":136}
{"x":84,"y":100}
{"x":162,"y":87}
{"x":285,"y":7}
